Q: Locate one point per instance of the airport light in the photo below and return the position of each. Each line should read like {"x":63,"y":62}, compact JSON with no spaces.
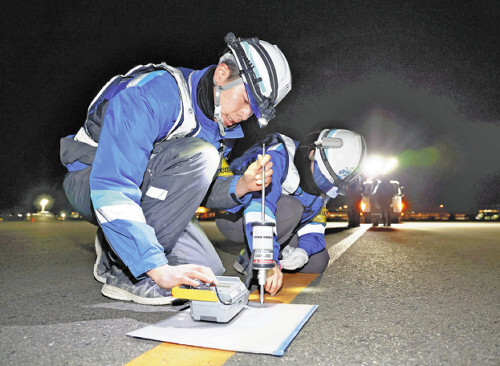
{"x":377,"y":165}
{"x":391,"y":164}
{"x":43,"y":203}
{"x":363,"y":206}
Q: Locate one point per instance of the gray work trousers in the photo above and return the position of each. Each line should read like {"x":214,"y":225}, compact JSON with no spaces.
{"x":289,"y":212}
{"x":185,"y":169}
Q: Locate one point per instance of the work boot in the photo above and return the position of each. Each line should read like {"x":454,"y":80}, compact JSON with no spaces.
{"x":103,"y":263}
{"x":123,"y":286}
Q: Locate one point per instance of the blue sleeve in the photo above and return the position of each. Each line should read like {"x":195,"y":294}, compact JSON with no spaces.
{"x":253,"y":210}
{"x":312,"y":234}
{"x":239,"y":202}
{"x":134,"y":120}
{"x":312,"y":243}
{"x":222,"y":194}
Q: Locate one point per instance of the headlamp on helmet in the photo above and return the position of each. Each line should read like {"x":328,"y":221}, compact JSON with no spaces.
{"x":265,"y":73}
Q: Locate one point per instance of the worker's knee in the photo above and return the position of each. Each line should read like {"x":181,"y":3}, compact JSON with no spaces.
{"x":317,"y":262}
{"x":202,"y":156}
{"x":187,"y":158}
{"x":217,"y":268}
{"x":231,"y":226}
{"x":77,"y":189}
{"x":289,"y":212}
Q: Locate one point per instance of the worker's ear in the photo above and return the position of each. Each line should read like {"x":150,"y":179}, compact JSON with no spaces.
{"x":311,"y":154}
{"x":222,"y":74}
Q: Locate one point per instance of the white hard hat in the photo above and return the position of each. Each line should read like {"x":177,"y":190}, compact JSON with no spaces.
{"x":265,"y":72}
{"x":338,"y":158}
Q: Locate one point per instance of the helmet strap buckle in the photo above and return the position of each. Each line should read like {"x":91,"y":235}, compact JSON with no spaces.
{"x":217,"y":106}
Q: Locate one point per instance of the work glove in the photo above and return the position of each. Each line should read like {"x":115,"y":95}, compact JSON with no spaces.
{"x":285,"y":252}
{"x":293,"y":258}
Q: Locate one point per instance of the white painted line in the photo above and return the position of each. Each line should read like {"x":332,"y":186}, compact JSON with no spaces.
{"x":338,"y":249}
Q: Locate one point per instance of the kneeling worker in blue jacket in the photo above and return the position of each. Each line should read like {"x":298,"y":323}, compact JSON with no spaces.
{"x":148,"y":152}
{"x":306,"y":174}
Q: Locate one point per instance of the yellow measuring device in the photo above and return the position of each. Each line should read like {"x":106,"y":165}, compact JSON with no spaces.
{"x":215,"y":302}
{"x":202,"y":293}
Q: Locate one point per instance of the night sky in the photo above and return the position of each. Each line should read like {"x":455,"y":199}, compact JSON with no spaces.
{"x":418,"y":79}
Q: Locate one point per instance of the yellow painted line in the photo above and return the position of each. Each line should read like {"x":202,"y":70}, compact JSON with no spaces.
{"x":293,"y":284}
{"x":177,"y":354}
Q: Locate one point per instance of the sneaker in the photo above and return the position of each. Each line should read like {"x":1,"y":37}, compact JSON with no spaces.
{"x":120,"y":286}
{"x":242,"y":262}
{"x":102,"y":266}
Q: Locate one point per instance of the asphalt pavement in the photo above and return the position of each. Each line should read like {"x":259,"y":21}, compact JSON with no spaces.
{"x":413,"y":294}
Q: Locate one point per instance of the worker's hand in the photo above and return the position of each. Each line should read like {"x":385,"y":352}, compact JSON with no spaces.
{"x":167,"y":276}
{"x":251,"y":180}
{"x":274,"y":280}
{"x":293,"y":258}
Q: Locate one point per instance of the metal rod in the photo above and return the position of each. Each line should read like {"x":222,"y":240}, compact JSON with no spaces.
{"x":263,"y":212}
{"x":262,"y":272}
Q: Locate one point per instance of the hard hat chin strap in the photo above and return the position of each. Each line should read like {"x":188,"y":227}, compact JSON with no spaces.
{"x":331,"y":189}
{"x":218,"y":109}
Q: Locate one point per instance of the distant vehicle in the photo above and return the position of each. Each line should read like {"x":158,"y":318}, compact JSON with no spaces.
{"x":74,"y":215}
{"x":336,"y":215}
{"x":371,"y":212}
{"x":43,"y":216}
{"x":461,"y":217}
{"x":487,"y":215}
